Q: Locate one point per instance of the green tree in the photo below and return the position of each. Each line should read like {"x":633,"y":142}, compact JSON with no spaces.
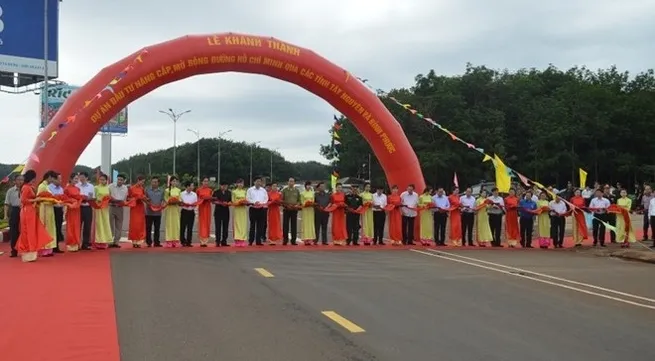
{"x":544,"y":123}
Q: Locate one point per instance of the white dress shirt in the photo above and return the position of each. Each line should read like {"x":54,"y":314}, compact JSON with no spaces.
{"x":587,"y":193}
{"x":498,"y":201}
{"x":557,"y":207}
{"x":409,"y":200}
{"x":379,"y":201}
{"x":189,"y":197}
{"x":467,"y":202}
{"x":87,"y":190}
{"x":440,"y":201}
{"x":651,"y":208}
{"x":257,"y":195}
{"x":600,"y":204}
{"x":56,"y":190}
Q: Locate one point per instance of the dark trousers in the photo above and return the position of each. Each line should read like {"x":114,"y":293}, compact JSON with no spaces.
{"x":408,"y":229}
{"x":289,"y":225}
{"x":153,"y":223}
{"x":352,"y":227}
{"x":321,"y":225}
{"x":14,"y":226}
{"x":379,"y":219}
{"x":647,"y":223}
{"x":598,"y":229}
{"x":59,"y":222}
{"x":611,"y":219}
{"x":526,"y":225}
{"x":557,"y":224}
{"x":258,"y":219}
{"x":496,"y":225}
{"x":187,"y":218}
{"x":86,"y":218}
{"x":468,"y":219}
{"x":652,"y":228}
{"x":221,"y":224}
{"x":439,"y":222}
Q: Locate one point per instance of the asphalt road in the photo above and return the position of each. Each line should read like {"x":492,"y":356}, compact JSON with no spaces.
{"x":407,"y":305}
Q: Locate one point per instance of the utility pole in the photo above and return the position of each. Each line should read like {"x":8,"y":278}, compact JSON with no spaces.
{"x":218,"y":173}
{"x":252,"y":146}
{"x":197,"y":133}
{"x":174,"y":117}
{"x":272,"y":153}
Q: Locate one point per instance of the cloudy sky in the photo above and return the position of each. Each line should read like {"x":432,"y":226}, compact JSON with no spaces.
{"x":388,"y":42}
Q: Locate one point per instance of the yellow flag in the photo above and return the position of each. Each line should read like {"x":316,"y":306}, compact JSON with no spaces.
{"x":19,"y":168}
{"x":583,"y":178}
{"x":333,"y":182}
{"x":486,"y":158}
{"x":503,"y":180}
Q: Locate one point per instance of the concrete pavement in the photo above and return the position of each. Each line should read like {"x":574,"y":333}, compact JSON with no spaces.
{"x":397,"y":305}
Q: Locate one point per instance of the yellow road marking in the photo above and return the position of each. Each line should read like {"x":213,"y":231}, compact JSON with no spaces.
{"x":341,"y":321}
{"x":264,"y":272}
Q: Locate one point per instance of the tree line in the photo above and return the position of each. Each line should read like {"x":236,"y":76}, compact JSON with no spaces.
{"x":235,"y":162}
{"x":544,"y":123}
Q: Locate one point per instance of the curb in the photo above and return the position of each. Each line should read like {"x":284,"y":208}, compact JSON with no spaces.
{"x":644,"y":257}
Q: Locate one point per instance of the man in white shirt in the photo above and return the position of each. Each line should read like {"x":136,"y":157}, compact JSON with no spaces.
{"x":86,"y":213}
{"x":258,"y":199}
{"x":189,"y":199}
{"x":557,"y":221}
{"x":440,"y":216}
{"x":599,"y":206}
{"x":56,"y":189}
{"x":496,"y":212}
{"x":379,"y":215}
{"x":118,"y":194}
{"x":409,"y":201}
{"x":467,"y":206}
{"x":651,"y":216}
{"x":587,"y":193}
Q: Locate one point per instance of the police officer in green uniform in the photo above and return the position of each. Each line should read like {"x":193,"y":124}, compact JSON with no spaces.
{"x":353,"y":201}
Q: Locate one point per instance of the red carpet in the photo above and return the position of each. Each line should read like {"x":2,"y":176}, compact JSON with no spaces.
{"x":58,"y":310}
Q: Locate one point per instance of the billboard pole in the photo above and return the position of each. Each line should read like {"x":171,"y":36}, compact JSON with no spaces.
{"x":45,"y":61}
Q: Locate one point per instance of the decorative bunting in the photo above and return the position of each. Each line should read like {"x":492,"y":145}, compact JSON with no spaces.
{"x":523,"y":179}
{"x":506,"y":171}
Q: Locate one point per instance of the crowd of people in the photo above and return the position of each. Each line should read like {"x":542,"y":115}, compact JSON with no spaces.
{"x":268,"y":214}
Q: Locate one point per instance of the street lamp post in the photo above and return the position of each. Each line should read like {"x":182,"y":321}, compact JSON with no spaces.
{"x":197,"y":133}
{"x":251,"y":146}
{"x":272,"y":153}
{"x":218,"y":174}
{"x":174,"y":117}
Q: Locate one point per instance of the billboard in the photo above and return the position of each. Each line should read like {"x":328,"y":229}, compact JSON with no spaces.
{"x":57,"y":95}
{"x":22,"y":45}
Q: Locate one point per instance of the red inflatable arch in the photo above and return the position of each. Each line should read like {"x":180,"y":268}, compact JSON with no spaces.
{"x":64,"y":139}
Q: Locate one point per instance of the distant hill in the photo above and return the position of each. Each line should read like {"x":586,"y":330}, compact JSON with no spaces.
{"x":235,"y":162}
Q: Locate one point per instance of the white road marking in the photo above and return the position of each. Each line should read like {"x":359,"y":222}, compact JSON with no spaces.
{"x":560,"y":279}
{"x":479,"y":264}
